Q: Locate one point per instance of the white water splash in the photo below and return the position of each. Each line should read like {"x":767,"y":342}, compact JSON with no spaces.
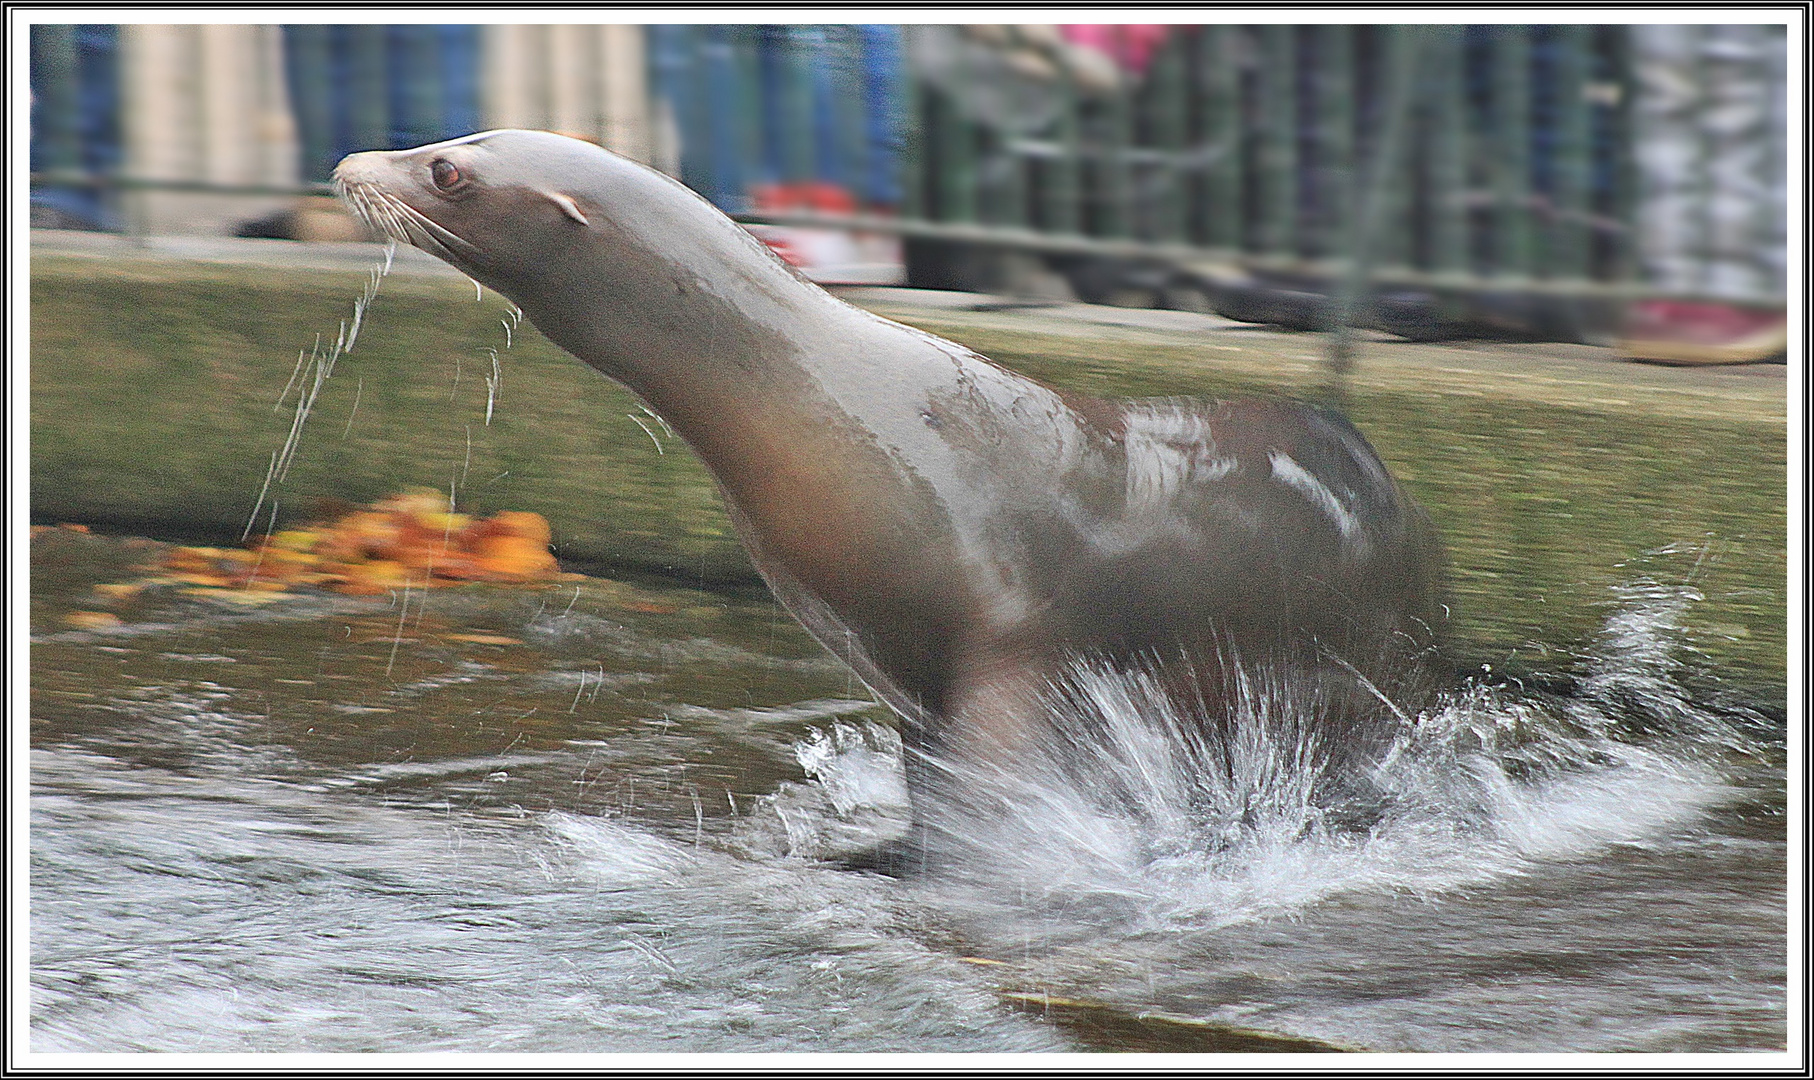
{"x":616,"y":856}
{"x":1148,"y":822}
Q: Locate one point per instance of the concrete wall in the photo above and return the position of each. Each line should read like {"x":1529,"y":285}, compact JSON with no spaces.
{"x":589,"y":81}
{"x":205,"y":104}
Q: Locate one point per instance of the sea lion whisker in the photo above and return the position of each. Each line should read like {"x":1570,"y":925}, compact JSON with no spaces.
{"x":356,"y":197}
{"x":401,"y":229}
{"x":368,"y":205}
{"x":387,"y":218}
{"x":391,"y":216}
{"x":428,"y":225}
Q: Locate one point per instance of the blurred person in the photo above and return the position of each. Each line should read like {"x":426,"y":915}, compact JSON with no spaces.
{"x":1018,"y":85}
{"x":375,"y":87}
{"x":775,"y":116}
{"x":1708,"y":127}
{"x":87,"y":98}
{"x":1006,"y":77}
{"x":884,"y":114}
{"x":831,"y":127}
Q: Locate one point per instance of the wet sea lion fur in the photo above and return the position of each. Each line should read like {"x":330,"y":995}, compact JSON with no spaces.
{"x":960,"y":535}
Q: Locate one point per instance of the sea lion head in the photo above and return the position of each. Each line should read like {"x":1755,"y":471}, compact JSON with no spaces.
{"x":496,"y":205}
{"x":621,"y":265}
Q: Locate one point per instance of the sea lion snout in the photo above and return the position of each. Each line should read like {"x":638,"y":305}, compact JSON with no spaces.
{"x":371,"y":169}
{"x":359,"y":168}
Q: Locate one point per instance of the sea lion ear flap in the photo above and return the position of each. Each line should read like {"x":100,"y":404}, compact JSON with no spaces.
{"x":567,"y":205}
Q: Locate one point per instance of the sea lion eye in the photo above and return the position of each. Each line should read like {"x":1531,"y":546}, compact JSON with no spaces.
{"x":445,"y":173}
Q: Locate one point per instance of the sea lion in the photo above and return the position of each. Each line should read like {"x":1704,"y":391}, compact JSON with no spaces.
{"x":957,"y":533}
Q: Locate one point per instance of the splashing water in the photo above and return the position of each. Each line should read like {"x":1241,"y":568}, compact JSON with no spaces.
{"x":1147,"y":822}
{"x":313,"y":369}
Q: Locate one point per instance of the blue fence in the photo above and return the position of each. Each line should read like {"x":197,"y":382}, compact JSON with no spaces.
{"x":379,"y":88}
{"x":760,"y":106}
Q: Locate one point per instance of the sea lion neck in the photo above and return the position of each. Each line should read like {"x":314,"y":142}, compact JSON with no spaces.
{"x":618,"y":264}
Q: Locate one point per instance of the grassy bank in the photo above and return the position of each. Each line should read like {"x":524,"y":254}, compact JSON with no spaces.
{"x":155,"y":407}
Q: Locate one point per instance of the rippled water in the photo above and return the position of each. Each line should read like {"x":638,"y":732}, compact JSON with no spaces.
{"x":605,"y":825}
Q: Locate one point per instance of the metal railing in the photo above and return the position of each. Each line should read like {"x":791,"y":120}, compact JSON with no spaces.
{"x":1244,"y":142}
{"x":1461,"y":162}
{"x":1249,"y":162}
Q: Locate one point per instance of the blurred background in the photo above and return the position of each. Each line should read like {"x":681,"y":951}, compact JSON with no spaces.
{"x":270,"y":816}
{"x":1568,"y":183}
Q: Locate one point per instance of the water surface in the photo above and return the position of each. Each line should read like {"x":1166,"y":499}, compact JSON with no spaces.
{"x":600,"y":816}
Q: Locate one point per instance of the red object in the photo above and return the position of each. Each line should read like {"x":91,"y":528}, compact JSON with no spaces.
{"x":816,"y":195}
{"x":1695,"y":332}
{"x":784,"y":249}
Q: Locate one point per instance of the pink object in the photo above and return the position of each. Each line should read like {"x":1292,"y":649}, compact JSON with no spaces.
{"x":1131,"y":46}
